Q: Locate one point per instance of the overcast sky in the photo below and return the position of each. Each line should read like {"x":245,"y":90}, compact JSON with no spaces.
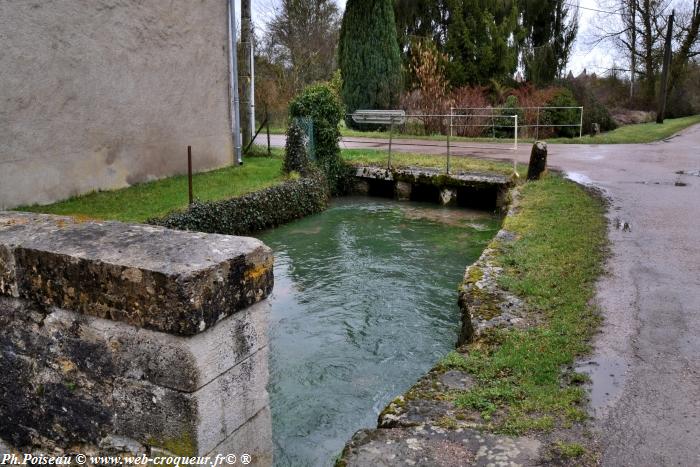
{"x":594,"y":59}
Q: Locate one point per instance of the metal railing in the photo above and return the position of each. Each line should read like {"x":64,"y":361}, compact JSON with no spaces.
{"x":528,"y":122}
{"x":391,"y":118}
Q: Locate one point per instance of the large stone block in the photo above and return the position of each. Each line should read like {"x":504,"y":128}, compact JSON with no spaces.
{"x":76,"y":379}
{"x":254,"y":438}
{"x":403,"y":191}
{"x":116,"y":336}
{"x":191,"y":423}
{"x":170,"y":281}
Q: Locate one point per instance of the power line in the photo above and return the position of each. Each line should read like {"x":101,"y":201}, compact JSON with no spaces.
{"x":593,"y":9}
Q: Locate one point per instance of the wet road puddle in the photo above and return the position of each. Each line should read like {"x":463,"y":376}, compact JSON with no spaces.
{"x":607,"y":379}
{"x":579,"y":178}
{"x":692,"y":173}
{"x":621,"y":224}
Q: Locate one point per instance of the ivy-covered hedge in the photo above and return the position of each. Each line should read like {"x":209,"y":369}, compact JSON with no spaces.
{"x":323,"y":106}
{"x":255,"y":211}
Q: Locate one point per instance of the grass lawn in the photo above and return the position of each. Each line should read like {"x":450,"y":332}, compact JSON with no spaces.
{"x":639,"y":133}
{"x":375,"y":157}
{"x":143,"y":201}
{"x":628,"y":134}
{"x":154,"y":199}
{"x":522,"y":379}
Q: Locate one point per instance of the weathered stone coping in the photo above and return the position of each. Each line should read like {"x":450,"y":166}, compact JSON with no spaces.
{"x":170,"y":281}
{"x":474,"y":189}
{"x":435,"y":176}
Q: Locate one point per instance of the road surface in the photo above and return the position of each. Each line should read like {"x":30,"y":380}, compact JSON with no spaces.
{"x":646,"y":362}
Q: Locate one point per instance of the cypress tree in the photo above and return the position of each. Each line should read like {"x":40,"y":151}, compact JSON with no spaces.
{"x":369,"y":56}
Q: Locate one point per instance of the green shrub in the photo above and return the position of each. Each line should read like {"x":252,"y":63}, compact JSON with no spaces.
{"x":255,"y":211}
{"x":504,"y":128}
{"x":593,"y":110}
{"x":563,"y":98}
{"x":295,"y":157}
{"x":321,"y":104}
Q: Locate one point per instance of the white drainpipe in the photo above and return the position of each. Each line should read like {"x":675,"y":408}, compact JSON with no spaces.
{"x":233,"y":82}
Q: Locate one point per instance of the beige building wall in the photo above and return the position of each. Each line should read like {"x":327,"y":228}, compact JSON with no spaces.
{"x":101,"y":94}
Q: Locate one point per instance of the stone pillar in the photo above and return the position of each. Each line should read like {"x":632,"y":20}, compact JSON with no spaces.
{"x":538,"y":161}
{"x":361,"y":187}
{"x":448,"y":196}
{"x":403,"y":190}
{"x":115,"y":335}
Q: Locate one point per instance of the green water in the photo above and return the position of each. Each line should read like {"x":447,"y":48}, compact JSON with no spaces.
{"x":364,"y":304}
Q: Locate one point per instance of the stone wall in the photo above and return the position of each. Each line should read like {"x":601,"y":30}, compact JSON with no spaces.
{"x":130,"y":338}
{"x":101,"y":94}
{"x":474,"y":190}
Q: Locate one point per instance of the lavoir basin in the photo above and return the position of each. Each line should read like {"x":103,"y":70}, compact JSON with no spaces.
{"x":364,"y":304}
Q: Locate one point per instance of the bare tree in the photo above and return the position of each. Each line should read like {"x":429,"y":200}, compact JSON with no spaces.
{"x":303,"y":37}
{"x":687,"y":38}
{"x":637,"y":29}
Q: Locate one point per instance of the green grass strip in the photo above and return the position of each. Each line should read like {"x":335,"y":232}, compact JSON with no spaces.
{"x":155,"y":199}
{"x":635,"y":134}
{"x":375,"y":157}
{"x":553,"y":264}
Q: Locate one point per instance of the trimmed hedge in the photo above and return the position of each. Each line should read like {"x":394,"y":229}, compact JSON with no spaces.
{"x":255,"y":211}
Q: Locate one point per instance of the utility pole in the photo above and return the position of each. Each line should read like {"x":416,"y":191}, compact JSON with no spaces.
{"x":633,"y":25}
{"x":246,"y":72}
{"x":664,"y":73}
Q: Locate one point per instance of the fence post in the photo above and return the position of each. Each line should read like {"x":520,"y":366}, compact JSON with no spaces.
{"x":580,"y":126}
{"x":267,"y":124}
{"x":391,"y":137}
{"x":537,"y":127}
{"x":449,"y":135}
{"x":515,"y":152}
{"x":189,"y":174}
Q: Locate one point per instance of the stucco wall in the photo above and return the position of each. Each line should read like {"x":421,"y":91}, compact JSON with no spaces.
{"x":98,"y":94}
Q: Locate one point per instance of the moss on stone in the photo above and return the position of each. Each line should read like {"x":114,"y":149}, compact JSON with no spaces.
{"x":474,"y":275}
{"x":393,"y":408}
{"x":184,"y":445}
{"x":448,"y":423}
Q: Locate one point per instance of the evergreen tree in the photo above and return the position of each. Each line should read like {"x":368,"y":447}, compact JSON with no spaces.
{"x":479,"y":37}
{"x":479,"y":41}
{"x":549,"y":28}
{"x":369,"y":57}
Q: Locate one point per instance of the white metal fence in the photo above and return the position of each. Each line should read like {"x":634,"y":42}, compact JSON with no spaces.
{"x":533,"y":117}
{"x":454,"y":125}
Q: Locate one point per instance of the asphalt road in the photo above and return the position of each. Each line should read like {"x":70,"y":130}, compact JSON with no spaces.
{"x":646,"y":364}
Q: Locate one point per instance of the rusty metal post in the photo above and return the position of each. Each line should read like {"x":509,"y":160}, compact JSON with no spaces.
{"x":267,"y":124}
{"x":189,"y":173}
{"x":391,"y":138}
{"x":448,"y":142}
